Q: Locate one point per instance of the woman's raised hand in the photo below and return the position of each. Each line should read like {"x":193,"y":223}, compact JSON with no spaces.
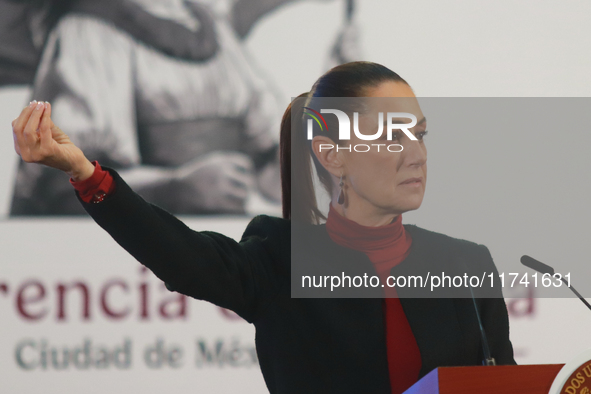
{"x":38,"y":140}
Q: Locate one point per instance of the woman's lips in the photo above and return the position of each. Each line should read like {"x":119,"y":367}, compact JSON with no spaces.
{"x":413,"y":182}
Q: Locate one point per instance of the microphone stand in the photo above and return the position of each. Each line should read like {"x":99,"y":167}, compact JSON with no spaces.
{"x":542,"y":268}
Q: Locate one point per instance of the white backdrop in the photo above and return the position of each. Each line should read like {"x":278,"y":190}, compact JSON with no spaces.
{"x":445,"y":48}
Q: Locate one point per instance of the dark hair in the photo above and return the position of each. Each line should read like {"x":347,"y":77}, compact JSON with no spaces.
{"x":347,"y":80}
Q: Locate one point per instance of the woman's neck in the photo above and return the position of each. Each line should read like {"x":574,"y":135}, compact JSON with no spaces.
{"x":385,"y":245}
{"x":365,"y":214}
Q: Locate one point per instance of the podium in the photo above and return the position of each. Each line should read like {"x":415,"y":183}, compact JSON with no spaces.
{"x":505,"y":379}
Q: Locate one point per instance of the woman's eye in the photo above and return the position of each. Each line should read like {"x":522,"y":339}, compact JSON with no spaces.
{"x":395,"y":135}
{"x":421,"y":134}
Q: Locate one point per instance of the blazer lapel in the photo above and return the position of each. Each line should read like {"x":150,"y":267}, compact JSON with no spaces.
{"x":433,"y":321}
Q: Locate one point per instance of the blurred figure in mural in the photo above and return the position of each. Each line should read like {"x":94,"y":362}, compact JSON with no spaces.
{"x":165,"y":92}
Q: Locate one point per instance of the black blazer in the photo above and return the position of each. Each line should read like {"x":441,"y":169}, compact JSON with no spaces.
{"x":306,"y":345}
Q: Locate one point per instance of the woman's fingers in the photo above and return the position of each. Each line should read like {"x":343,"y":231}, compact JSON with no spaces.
{"x":17,"y":148}
{"x":23,"y":118}
{"x":30,"y":131}
{"x":19,"y":124}
{"x":18,"y":127}
{"x":37,"y":140}
{"x":45,"y":128}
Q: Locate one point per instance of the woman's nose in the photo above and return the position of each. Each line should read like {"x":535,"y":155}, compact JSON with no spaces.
{"x":414,"y":153}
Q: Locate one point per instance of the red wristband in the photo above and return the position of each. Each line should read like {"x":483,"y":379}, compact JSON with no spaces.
{"x":96,"y":188}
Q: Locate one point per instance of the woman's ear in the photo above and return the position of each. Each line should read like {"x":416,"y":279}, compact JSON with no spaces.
{"x":325,"y":151}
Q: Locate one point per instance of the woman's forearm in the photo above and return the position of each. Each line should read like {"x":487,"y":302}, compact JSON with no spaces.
{"x":82,"y":169}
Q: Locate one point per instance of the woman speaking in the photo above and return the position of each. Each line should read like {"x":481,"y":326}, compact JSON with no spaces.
{"x":310,"y":344}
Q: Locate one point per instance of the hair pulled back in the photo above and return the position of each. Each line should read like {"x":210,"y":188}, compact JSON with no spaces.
{"x":346,"y":80}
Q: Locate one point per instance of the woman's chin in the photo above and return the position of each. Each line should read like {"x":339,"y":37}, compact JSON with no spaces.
{"x":412,"y":203}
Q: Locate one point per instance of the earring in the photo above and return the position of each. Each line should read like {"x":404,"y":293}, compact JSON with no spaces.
{"x":341,"y":199}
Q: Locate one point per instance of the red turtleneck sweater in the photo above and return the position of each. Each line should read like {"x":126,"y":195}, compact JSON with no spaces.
{"x":385,"y":246}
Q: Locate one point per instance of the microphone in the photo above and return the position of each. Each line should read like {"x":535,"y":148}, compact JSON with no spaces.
{"x":488,"y":358}
{"x":546,"y":269}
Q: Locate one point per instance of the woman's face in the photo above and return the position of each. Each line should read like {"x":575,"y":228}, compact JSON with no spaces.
{"x":383,"y":182}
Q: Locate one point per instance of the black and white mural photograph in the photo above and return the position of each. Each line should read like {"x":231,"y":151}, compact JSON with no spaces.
{"x":165,"y":91}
